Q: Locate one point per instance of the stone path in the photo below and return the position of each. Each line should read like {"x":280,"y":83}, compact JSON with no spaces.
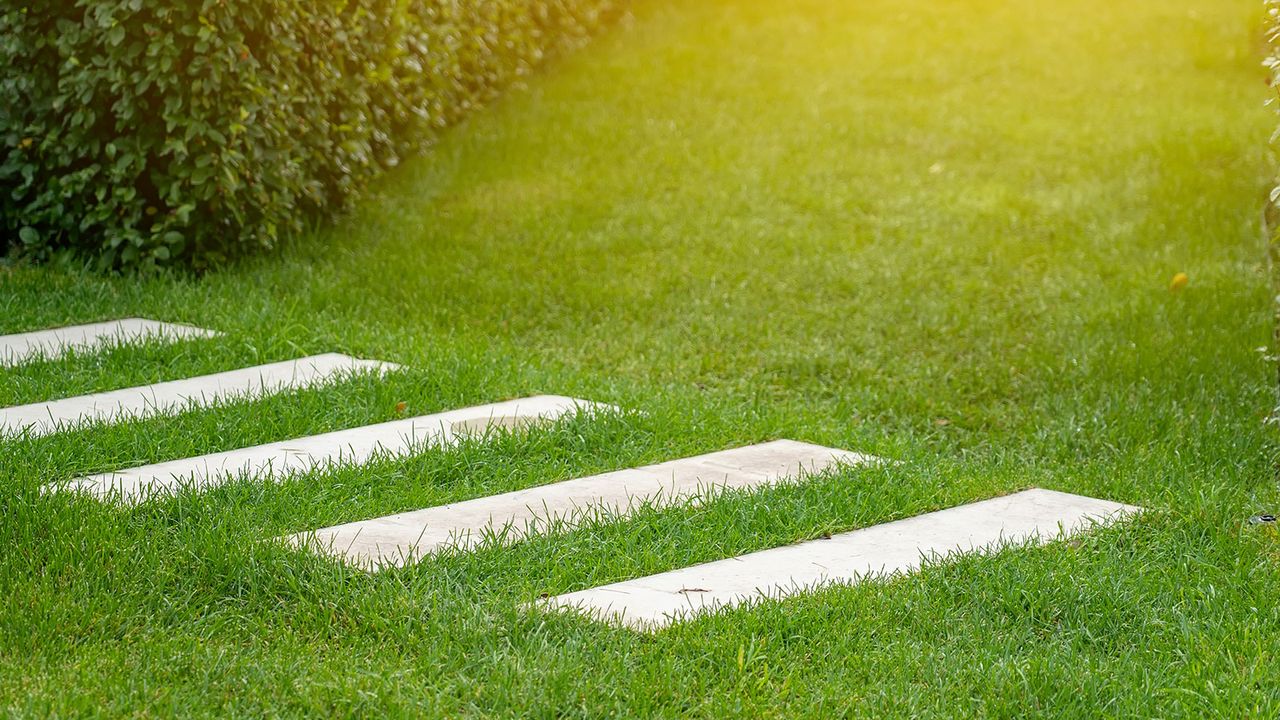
{"x":170,"y":397}
{"x":398,"y":539}
{"x":50,"y":344}
{"x":880,"y":551}
{"x":274,"y":461}
{"x":646,"y":603}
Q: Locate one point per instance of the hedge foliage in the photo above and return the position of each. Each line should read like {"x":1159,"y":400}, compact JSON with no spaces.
{"x":1272,"y":64}
{"x":148,"y":132}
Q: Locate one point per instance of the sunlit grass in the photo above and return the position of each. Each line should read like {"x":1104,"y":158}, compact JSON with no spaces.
{"x":943,"y":233}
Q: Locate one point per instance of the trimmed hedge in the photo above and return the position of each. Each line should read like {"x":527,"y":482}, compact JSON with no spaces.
{"x":151,"y":132}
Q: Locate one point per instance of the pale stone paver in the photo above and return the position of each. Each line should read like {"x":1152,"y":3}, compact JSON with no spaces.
{"x":50,"y":344}
{"x":278,"y":460}
{"x":176,"y":395}
{"x":398,"y":539}
{"x":880,"y":551}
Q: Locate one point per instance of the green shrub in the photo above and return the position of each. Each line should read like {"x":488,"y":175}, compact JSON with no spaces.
{"x":1272,"y":64}
{"x":150,"y":132}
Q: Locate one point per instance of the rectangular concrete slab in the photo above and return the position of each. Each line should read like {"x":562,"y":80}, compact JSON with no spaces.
{"x":880,"y":551}
{"x":50,"y":344}
{"x":398,"y":539}
{"x":174,"y":396}
{"x":274,"y":461}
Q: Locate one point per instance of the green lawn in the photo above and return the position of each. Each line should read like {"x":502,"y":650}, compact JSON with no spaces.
{"x":941,"y":232}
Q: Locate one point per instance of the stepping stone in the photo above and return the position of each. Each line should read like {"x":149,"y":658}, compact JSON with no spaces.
{"x":275,"y":461}
{"x":171,"y":397}
{"x":880,"y":551}
{"x":399,"y":539}
{"x":50,"y":344}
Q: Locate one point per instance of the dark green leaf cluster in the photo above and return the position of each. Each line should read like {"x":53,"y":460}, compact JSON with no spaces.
{"x":1272,"y":64}
{"x":153,"y":132}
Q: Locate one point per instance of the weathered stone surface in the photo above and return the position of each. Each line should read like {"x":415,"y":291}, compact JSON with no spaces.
{"x":176,"y":395}
{"x":277,"y":460}
{"x":398,"y":539}
{"x":50,"y":344}
{"x":653,"y":602}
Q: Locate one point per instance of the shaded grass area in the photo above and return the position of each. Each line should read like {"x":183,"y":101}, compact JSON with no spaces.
{"x":937,"y":232}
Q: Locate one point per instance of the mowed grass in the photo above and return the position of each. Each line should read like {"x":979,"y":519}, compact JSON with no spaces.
{"x":941,"y":232}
